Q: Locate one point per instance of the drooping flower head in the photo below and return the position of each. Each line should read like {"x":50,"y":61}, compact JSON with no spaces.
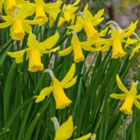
{"x":129,"y":97}
{"x":11,"y":5}
{"x":40,"y":9}
{"x":65,"y":131}
{"x":34,"y":51}
{"x":69,"y":10}
{"x":76,"y":47}
{"x":57,"y":87}
{"x":19,"y":25}
{"x":87,"y":21}
{"x":116,"y":40}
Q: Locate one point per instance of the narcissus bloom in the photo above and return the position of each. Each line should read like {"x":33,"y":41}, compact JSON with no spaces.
{"x":65,"y":131}
{"x":129,"y":97}
{"x":69,"y":10}
{"x":11,"y":5}
{"x":116,"y":41}
{"x":76,"y":47}
{"x":87,"y":22}
{"x":135,"y":50}
{"x":35,"y":51}
{"x":19,"y":25}
{"x":40,"y":9}
{"x":57,"y":87}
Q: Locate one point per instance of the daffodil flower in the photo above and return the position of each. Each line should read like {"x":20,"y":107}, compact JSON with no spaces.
{"x":65,"y":131}
{"x":11,"y":5}
{"x":52,"y":19}
{"x":129,"y":97}
{"x":135,"y":50}
{"x":57,"y":87}
{"x":19,"y":25}
{"x":87,"y":22}
{"x":40,"y":9}
{"x":69,"y":10}
{"x":35,"y":51}
{"x":116,"y":41}
{"x":76,"y":47}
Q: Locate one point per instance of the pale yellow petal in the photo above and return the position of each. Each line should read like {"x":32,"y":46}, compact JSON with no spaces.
{"x":69,"y":75}
{"x":5,"y":24}
{"x":76,"y":28}
{"x":65,"y":131}
{"x":67,"y":16}
{"x":8,"y":19}
{"x":120,"y":84}
{"x":118,"y":96}
{"x":44,"y":92}
{"x":48,"y":51}
{"x":138,"y":97}
{"x":133,"y":90}
{"x":32,"y":42}
{"x":76,"y":3}
{"x":96,"y":22}
{"x":86,"y":137}
{"x":98,"y":15}
{"x":49,"y":42}
{"x":71,"y":83}
{"x":39,"y":1}
{"x":65,"y":51}
{"x":26,"y":27}
{"x":137,"y":104}
{"x":18,"y":55}
{"x":75,"y":40}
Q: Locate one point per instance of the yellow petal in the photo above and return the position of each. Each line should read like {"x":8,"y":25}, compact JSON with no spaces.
{"x":67,"y":16}
{"x":118,"y":96}
{"x":138,"y":97}
{"x":22,"y":12}
{"x":115,"y":33}
{"x":120,"y":85}
{"x":76,"y":3}
{"x":44,"y":92}
{"x":17,"y":55}
{"x":39,"y":1}
{"x":76,"y":28}
{"x":96,"y":22}
{"x":65,"y":131}
{"x":49,"y":43}
{"x":88,"y":16}
{"x":75,"y":40}
{"x":32,"y":42}
{"x":69,"y":75}
{"x":71,"y":83}
{"x":66,"y":51}
{"x":137,"y":104}
{"x":98,"y":15}
{"x":48,"y":51}
{"x":8,"y":18}
{"x":52,"y":8}
{"x":133,"y":90}
{"x":5,"y":24}
{"x":86,"y":137}
{"x":26,"y":27}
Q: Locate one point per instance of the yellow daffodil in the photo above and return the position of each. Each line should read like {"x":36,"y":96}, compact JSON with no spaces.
{"x":35,"y":51}
{"x":135,"y":50}
{"x":87,"y":22}
{"x":76,"y":47}
{"x":11,"y":5}
{"x":116,"y":41}
{"x":129,"y":97}
{"x":19,"y":25}
{"x":52,"y":19}
{"x":69,"y":10}
{"x":57,"y":87}
{"x":65,"y":131}
{"x":40,"y":9}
